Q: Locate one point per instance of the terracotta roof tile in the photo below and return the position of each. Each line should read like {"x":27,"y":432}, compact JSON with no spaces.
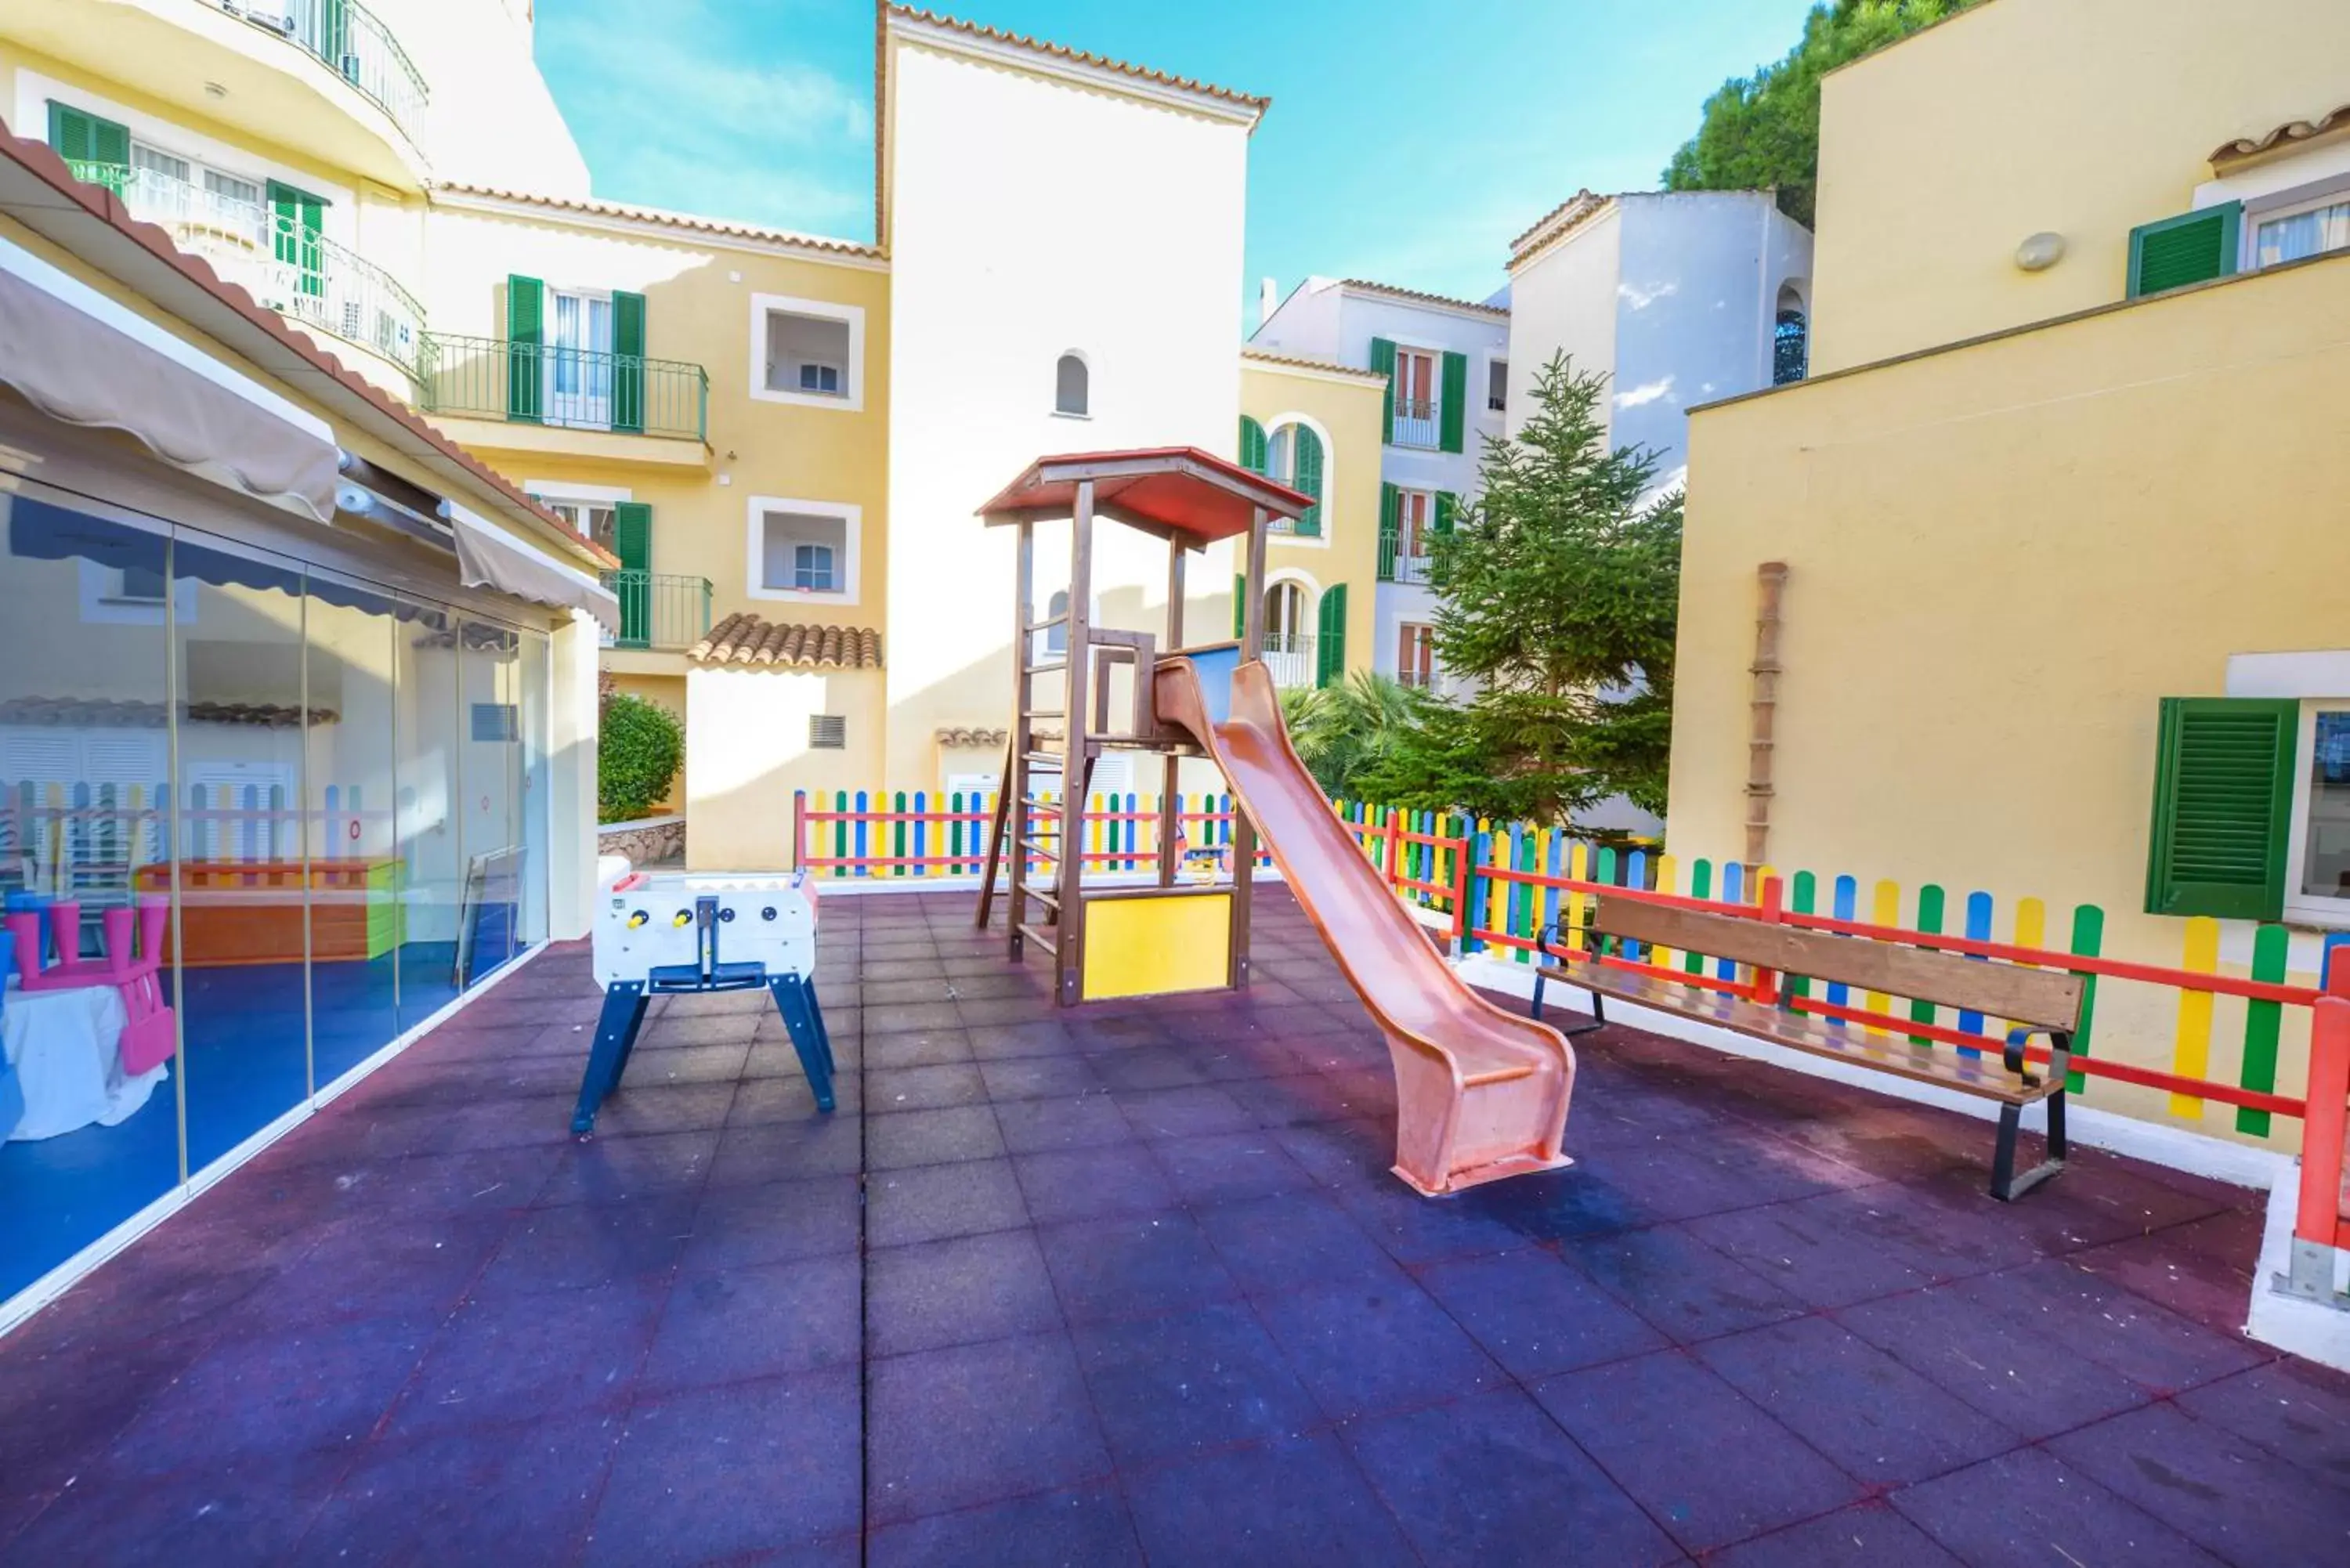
{"x":2290,"y":132}
{"x":1311,"y":362}
{"x":1499,"y":313}
{"x":1079,"y":57}
{"x":722,"y":227}
{"x":101,"y":203}
{"x":1558,"y":220}
{"x":759,"y":643}
{"x":970,"y":735}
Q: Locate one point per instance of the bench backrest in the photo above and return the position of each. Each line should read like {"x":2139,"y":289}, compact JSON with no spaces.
{"x":2050,"y":997}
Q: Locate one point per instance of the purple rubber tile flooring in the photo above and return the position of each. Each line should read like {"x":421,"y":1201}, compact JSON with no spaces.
{"x":1133,"y":1285}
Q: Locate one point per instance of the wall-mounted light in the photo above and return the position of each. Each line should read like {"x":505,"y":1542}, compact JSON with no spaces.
{"x":2041,"y":252}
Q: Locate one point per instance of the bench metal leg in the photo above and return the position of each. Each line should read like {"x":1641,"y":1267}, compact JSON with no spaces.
{"x":615,"y":1036}
{"x":2005,"y":1184}
{"x":795,"y":1001}
{"x":1598,"y":1011}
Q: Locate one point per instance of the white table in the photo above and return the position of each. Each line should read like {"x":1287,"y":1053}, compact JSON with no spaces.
{"x":66,"y":1048}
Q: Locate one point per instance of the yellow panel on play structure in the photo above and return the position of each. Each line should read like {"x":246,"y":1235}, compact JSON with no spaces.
{"x":1151,"y":945}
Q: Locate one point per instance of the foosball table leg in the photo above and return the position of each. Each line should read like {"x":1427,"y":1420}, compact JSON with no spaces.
{"x":615,"y":1036}
{"x":795,"y":1000}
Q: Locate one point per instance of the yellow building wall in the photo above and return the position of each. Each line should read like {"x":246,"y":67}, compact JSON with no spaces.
{"x":2085,"y":117}
{"x":1347,"y":413}
{"x":746,"y":752}
{"x":698,"y":304}
{"x":2001,"y":557}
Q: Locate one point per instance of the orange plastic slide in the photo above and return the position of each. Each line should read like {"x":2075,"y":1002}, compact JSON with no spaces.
{"x":1481,"y":1093}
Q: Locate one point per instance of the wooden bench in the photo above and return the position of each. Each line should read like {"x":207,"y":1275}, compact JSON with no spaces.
{"x":2030,"y":1001}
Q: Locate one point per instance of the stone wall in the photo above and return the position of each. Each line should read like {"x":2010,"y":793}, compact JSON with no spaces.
{"x":645,"y":842}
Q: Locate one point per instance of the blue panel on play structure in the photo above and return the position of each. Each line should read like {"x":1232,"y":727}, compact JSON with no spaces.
{"x":1215,"y":667}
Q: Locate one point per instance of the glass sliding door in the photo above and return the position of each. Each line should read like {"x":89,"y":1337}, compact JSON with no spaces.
{"x":357,"y":916}
{"x":237,"y":652}
{"x":490,"y":898}
{"x":428,"y":813}
{"x":532,"y":698}
{"x":89,"y":1080}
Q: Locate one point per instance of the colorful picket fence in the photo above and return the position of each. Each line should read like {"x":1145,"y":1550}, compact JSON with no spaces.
{"x":917,"y":834}
{"x":89,"y":839}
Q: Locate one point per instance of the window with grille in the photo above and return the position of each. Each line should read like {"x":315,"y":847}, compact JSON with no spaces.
{"x":827,"y":733}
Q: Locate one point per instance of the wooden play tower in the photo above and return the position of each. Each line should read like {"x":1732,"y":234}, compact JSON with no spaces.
{"x":1156,"y":937}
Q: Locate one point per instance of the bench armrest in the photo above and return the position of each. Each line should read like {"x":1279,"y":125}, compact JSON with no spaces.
{"x":2060,"y":1052}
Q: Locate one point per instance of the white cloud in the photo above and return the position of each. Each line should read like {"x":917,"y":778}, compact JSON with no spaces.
{"x":1640,"y":396}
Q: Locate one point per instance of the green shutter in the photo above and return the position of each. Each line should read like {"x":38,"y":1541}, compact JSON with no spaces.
{"x":1240,"y":607}
{"x":526,"y":324}
{"x":1252,"y":445}
{"x":1454,"y":413}
{"x":1391,"y":530}
{"x":1330,"y":637}
{"x":1307,"y":475}
{"x":98,"y":150}
{"x":1447,"y":506}
{"x":1383,"y":362}
{"x":628,"y":361}
{"x":2193,"y":247}
{"x":632,"y":541}
{"x":2223,"y":782}
{"x":297,"y":221}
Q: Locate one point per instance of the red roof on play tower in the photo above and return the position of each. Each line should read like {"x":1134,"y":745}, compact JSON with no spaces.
{"x":1164,"y":489}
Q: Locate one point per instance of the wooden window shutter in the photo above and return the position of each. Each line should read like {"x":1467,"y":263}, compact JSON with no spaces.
{"x":1252,"y":445}
{"x":1453,"y":430}
{"x":1391,"y":530}
{"x":628,"y":361}
{"x":82,"y":138}
{"x":1383,"y":362}
{"x":2224,"y":779}
{"x":296,"y":220}
{"x":1240,"y":608}
{"x":1330,"y":637}
{"x":2193,"y":247}
{"x":525,"y":327}
{"x":1447,"y":506}
{"x":1307,"y":475}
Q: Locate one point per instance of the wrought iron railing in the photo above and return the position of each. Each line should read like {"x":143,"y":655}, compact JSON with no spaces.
{"x":659,"y":611}
{"x":296,"y":271}
{"x":1397,"y":564}
{"x":352,"y":42}
{"x":1289,"y":658}
{"x":1415,"y":422}
{"x":578,"y":388}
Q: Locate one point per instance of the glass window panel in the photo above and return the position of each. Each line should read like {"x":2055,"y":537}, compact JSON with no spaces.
{"x":427,"y":815}
{"x":91,"y":1135}
{"x":244,"y":1010}
{"x":490,"y":768}
{"x":2325,"y":865}
{"x":350,"y":787}
{"x":2304,"y":235}
{"x":532,"y":699}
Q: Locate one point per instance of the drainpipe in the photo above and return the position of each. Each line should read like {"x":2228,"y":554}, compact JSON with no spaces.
{"x":1770,"y":578}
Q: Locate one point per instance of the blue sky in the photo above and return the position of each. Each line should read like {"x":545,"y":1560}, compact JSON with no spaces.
{"x":1407,"y":140}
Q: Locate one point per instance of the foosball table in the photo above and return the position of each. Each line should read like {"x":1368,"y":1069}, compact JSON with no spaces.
{"x":674,"y":933}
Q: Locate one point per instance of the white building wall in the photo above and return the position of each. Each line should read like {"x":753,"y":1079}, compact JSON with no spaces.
{"x":1029,"y":217}
{"x":1564,"y":301}
{"x":492,"y":121}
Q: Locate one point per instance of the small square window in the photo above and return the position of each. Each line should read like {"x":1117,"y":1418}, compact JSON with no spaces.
{"x":1497,"y":385}
{"x":827,"y":733}
{"x":803,"y":553}
{"x":824,"y":379}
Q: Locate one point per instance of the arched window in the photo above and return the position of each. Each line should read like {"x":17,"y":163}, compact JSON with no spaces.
{"x":1295,"y":456}
{"x":1057,"y":636}
{"x":1791,"y":341}
{"x":1072,"y":386}
{"x":1284,"y":615}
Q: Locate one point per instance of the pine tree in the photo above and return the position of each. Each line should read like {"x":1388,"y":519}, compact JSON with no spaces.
{"x":1558,"y":593}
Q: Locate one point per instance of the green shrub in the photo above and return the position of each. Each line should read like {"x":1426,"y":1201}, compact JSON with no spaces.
{"x":638,"y":749}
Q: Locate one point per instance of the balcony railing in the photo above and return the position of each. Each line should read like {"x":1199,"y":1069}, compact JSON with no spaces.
{"x":577,"y":388}
{"x":352,"y":42}
{"x":659,"y":612}
{"x":298,"y":273}
{"x":1289,"y":658}
{"x":1415,"y":422}
{"x":1396,"y":565}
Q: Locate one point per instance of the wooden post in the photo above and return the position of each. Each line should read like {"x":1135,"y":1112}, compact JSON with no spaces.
{"x":1243,"y":830}
{"x":1770,"y":578}
{"x":1013,"y":802}
{"x":1170,"y":776}
{"x":1076,"y":753}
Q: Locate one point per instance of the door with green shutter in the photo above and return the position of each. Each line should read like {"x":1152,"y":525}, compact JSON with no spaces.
{"x":2193,"y":247}
{"x":297,"y":224}
{"x":525,"y":335}
{"x":96,"y":150}
{"x":2223,"y":784}
{"x":1390,"y":529}
{"x":1454,"y":410}
{"x":1383,"y":363}
{"x":628,"y":361}
{"x":1252,"y":445}
{"x":1330,"y":637}
{"x":1305,"y":474}
{"x":632,"y":541}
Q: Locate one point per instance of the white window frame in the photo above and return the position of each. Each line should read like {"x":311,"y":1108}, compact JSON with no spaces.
{"x":1485,"y":410}
{"x":2308,"y":198}
{"x":852,"y":518}
{"x":1435,"y":681}
{"x":563,"y":493}
{"x":1085,"y":359}
{"x":1434,"y":353}
{"x":2300,"y":908}
{"x":1284,"y":539}
{"x":762,"y":306}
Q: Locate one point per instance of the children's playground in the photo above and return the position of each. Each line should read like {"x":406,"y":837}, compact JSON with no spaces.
{"x":1196,"y":1214}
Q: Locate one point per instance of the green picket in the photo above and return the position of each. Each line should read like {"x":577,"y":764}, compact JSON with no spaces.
{"x":2088,"y":940}
{"x":1930,"y":920}
{"x":2262,"y":1023}
{"x":1700,"y":886}
{"x":1803,"y":897}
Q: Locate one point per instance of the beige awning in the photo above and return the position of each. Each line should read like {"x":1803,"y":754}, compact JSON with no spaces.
{"x":81,"y":357}
{"x":487,"y":558}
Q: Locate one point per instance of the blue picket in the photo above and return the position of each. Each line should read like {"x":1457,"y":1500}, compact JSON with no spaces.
{"x":1847,"y":899}
{"x":1978,"y":930}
